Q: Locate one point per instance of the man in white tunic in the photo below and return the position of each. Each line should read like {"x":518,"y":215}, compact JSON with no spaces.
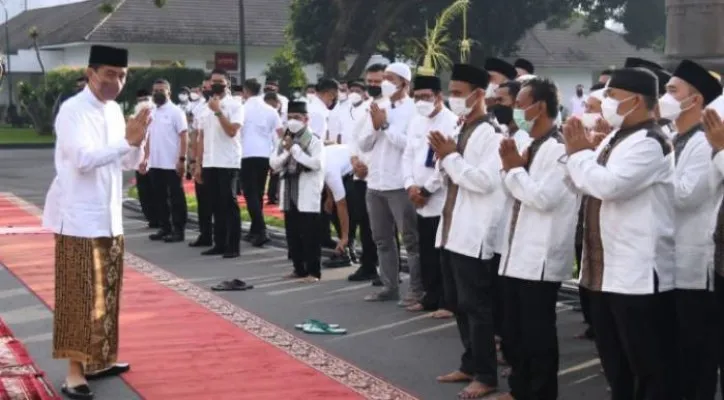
{"x":691,"y":89}
{"x":628,"y":238}
{"x":538,"y":252}
{"x":84,"y":209}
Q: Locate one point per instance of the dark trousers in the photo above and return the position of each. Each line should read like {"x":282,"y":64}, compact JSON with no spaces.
{"x":325,"y":230}
{"x":719,"y":293}
{"x":254,"y":171}
{"x":468,"y":286}
{"x":145,"y":197}
{"x":430,"y":263}
{"x":302,"y":230}
{"x":221,"y":184}
{"x":583,"y":293}
{"x":531,"y":338}
{"x":635,"y":342}
{"x":204,"y":205}
{"x":170,"y":199}
{"x":498,"y":299}
{"x":272,"y":191}
{"x":696,"y":336}
{"x":357,"y":201}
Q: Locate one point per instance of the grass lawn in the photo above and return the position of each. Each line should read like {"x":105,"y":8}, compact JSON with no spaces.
{"x":9,"y":135}
{"x":193,"y":207}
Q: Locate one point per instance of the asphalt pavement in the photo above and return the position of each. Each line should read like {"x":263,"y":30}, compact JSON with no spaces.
{"x":407,"y":349}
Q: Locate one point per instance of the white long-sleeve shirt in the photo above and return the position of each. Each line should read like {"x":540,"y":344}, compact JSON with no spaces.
{"x":91,"y":152}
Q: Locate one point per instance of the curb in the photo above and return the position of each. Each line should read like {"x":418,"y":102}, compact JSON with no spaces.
{"x":26,"y":146}
{"x":278,"y":238}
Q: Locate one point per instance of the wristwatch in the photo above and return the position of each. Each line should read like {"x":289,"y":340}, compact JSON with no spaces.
{"x":218,"y":113}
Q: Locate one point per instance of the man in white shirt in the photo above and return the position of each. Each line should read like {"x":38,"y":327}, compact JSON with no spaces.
{"x":299,"y":159}
{"x":538,"y":245}
{"x":628,"y":237}
{"x":500,"y":72}
{"x":84,"y":209}
{"x":338,"y":182}
{"x":272,"y":189}
{"x":467,"y":234}
{"x":578,"y":102}
{"x":384,"y":136}
{"x":272,"y":86}
{"x":167,"y":138}
{"x":261,"y":122}
{"x":143,"y":181}
{"x":219,"y":158}
{"x":197,"y":104}
{"x":339,"y":114}
{"x":425,"y":185}
{"x":319,"y":106}
{"x":691,"y":89}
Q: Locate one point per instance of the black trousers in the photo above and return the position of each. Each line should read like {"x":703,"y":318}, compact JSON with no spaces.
{"x":468,"y":286}
{"x":697,"y":340}
{"x":204,"y":205}
{"x":635,"y":338}
{"x":221,"y":185}
{"x":272,"y":191}
{"x":531,"y":338}
{"x":170,"y":199}
{"x":302,"y":230}
{"x":434,"y":297}
{"x":360,"y":219}
{"x":325,"y":230}
{"x":498,"y":299}
{"x":145,"y":197}
{"x":254,"y":171}
{"x":719,"y":293}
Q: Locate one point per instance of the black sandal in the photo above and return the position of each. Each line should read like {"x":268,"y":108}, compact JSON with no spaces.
{"x":232,"y":285}
{"x":80,"y":392}
{"x":114,"y":370}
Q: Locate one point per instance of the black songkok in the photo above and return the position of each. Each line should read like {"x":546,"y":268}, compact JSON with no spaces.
{"x":634,"y":62}
{"x":470,"y":74}
{"x":357,"y":83}
{"x":635,"y":80}
{"x":427,"y":82}
{"x":297,"y":107}
{"x":524,"y":64}
{"x":142,"y":93}
{"x":110,"y":56}
{"x":272,"y":82}
{"x":502,"y":67}
{"x":237,"y":88}
{"x":698,"y":77}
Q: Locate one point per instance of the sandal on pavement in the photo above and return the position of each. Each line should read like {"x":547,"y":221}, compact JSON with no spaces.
{"x":80,"y":392}
{"x":311,"y":321}
{"x":232,"y":285}
{"x":321,"y":328}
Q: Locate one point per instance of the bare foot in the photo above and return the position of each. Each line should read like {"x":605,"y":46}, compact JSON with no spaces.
{"x":310,"y":279}
{"x":442,"y":314}
{"x":455,"y":377}
{"x":476,"y":390}
{"x":417,"y":307}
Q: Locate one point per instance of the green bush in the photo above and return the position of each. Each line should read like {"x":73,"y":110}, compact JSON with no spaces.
{"x":287,"y":69}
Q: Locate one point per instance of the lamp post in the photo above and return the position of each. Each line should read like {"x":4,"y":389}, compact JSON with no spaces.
{"x":242,"y":44}
{"x":7,"y":55}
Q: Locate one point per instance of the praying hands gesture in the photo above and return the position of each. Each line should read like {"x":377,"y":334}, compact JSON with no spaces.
{"x":602,"y":127}
{"x":137,"y":126}
{"x":287,"y":143}
{"x":714,"y":129}
{"x":415,"y":194}
{"x":442,"y":146}
{"x":575,"y":136}
{"x":379,"y":116}
{"x":509,"y":155}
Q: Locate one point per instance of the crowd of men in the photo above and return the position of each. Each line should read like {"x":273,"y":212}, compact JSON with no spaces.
{"x":494,"y":198}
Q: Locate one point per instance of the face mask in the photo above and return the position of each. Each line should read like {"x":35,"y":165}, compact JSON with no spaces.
{"x":579,"y":93}
{"x":519,"y":118}
{"x":342,"y":96}
{"x":609,"y":109}
{"x":388,"y":88}
{"x":354,"y":98}
{"x":159,"y":98}
{"x":218,"y":89}
{"x":490,"y":91}
{"x":194,"y":96}
{"x":294,"y":126}
{"x":374,"y":91}
{"x":458,"y":105}
{"x":670,"y":108}
{"x":207,"y":94}
{"x":106,"y":90}
{"x":425,"y":108}
{"x":297,"y":95}
{"x":183,"y":97}
{"x":504,"y":114}
{"x":589,"y":120}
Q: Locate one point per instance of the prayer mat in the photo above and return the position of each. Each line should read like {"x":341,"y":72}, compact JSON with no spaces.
{"x":26,"y":387}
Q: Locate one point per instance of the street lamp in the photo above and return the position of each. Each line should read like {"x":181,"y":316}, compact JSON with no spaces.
{"x":7,"y":55}
{"x":242,"y":43}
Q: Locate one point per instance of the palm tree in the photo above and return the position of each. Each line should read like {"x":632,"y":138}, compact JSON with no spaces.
{"x":434,"y":46}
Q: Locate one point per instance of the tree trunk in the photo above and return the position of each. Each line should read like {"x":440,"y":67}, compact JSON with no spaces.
{"x":37,"y":55}
{"x":346,"y":11}
{"x":387,"y":15}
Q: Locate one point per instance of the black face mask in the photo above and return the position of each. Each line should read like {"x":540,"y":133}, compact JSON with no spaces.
{"x":374,"y":91}
{"x":218,"y":89}
{"x":579,"y":93}
{"x":503,"y":114}
{"x":207,"y":94}
{"x":160,"y":98}
{"x":334,"y":104}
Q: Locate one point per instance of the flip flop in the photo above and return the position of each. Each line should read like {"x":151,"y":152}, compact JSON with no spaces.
{"x":232,"y":285}
{"x":320,"y":328}
{"x":310,"y":321}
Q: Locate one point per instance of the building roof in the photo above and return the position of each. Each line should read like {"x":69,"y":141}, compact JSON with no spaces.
{"x":140,"y":21}
{"x":555,"y":48}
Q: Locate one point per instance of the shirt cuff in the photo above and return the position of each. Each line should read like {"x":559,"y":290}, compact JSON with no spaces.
{"x":295,"y":149}
{"x":445,"y":162}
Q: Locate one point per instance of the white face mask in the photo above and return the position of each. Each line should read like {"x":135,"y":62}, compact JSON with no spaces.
{"x":609,"y":109}
{"x":183,"y":97}
{"x":343,"y":96}
{"x":354,"y":98}
{"x":425,"y":108}
{"x":388,"y":88}
{"x":295,"y":126}
{"x":490,"y":91}
{"x":670,"y":108}
{"x":194,"y":96}
{"x":458,"y":105}
{"x":589,"y":119}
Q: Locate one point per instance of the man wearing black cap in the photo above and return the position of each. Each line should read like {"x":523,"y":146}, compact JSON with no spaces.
{"x":691,"y":89}
{"x":500,"y":72}
{"x":605,"y":75}
{"x":467,"y":233}
{"x":87,"y":193}
{"x":425,"y":186}
{"x":298,"y":159}
{"x":272,"y":85}
{"x":523,"y":67}
{"x":663,"y":76}
{"x":628,"y":240}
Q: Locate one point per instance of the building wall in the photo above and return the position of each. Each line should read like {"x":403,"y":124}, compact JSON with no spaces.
{"x":567,"y":78}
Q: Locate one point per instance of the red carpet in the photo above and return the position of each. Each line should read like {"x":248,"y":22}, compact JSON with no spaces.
{"x":185,"y":343}
{"x":20,"y":378}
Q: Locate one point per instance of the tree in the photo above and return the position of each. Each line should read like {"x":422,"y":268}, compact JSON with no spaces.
{"x":287,"y":69}
{"x":644,"y":20}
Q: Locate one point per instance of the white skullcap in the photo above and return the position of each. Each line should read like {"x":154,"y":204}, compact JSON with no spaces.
{"x":401,"y":70}
{"x":718,"y":106}
{"x":525,"y":77}
{"x":598,"y":94}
